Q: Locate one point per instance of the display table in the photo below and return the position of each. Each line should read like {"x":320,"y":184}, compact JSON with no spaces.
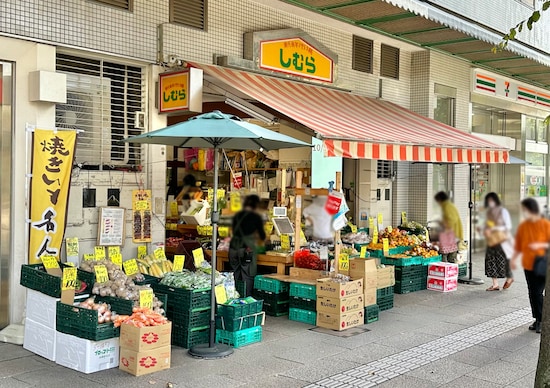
{"x":267,"y":260}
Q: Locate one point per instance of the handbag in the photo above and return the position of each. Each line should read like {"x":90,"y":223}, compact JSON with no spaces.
{"x":541,"y":265}
{"x":447,"y":242}
{"x":496,"y":237}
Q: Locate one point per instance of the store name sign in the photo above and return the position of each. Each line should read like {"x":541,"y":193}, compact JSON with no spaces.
{"x":180,"y":91}
{"x":504,"y":88}
{"x":291,"y":52}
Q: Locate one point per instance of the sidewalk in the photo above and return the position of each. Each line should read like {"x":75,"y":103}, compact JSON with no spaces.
{"x":467,"y":338}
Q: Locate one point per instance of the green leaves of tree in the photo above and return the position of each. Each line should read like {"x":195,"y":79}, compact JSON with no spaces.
{"x":535,"y":17}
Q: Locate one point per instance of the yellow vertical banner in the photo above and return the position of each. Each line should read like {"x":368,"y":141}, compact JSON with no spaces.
{"x":141,"y":209}
{"x":52,"y":161}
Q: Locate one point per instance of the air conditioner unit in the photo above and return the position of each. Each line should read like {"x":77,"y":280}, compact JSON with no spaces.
{"x":88,"y":109}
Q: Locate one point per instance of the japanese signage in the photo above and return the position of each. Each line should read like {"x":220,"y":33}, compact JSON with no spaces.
{"x":141,"y":209}
{"x":53,"y":155}
{"x":180,"y":91}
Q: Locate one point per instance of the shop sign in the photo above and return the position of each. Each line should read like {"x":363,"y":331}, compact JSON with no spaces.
{"x":52,"y":161}
{"x":180,"y":91}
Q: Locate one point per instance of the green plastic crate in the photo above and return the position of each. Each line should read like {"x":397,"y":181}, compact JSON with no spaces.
{"x":88,"y":278}
{"x":191,"y":320}
{"x":233,"y":311}
{"x":385,"y":302}
{"x":274,"y":304}
{"x":239,"y":338}
{"x":381,"y":292}
{"x":372,"y":313}
{"x":241,"y":323}
{"x":302,"y":303}
{"x":35,"y":277}
{"x":306,"y":291}
{"x":185,"y":300}
{"x":147,"y":279}
{"x":405,"y":288}
{"x":402,"y":262}
{"x":241,"y":287}
{"x":411,"y":273}
{"x":300,"y":315}
{"x":187,"y":338}
{"x":393,"y":251}
{"x":463,"y":269}
{"x":430,"y":260}
{"x":82,"y":323}
{"x":271,"y":285}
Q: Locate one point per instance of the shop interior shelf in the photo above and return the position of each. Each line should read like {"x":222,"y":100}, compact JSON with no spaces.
{"x":301,"y":315}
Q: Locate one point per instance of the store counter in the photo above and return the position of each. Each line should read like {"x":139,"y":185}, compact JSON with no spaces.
{"x":280,"y":261}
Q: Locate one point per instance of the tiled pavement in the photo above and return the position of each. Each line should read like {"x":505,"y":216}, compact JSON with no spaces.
{"x":469,"y":338}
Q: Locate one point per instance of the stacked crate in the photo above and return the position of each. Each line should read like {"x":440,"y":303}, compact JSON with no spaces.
{"x":410,"y":278}
{"x":274,"y":293}
{"x":462,"y":269}
{"x":340,"y":305}
{"x":240,"y":323}
{"x":442,"y":277}
{"x":303,"y":303}
{"x":384,"y":298}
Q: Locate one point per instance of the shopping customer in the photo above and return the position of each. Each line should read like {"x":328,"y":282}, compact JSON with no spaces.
{"x":532,"y":242}
{"x":498,"y":227}
{"x":248,"y":230}
{"x":452,"y":228}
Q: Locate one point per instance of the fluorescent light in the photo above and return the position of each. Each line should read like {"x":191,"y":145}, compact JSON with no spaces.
{"x":251,"y":110}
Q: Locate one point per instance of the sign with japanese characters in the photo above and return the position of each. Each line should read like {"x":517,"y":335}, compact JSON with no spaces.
{"x":52,"y":160}
{"x":141,"y":210}
{"x":173,"y":91}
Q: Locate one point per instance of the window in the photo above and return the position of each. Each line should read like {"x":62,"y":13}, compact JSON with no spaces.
{"x":389,"y":62}
{"x":384,"y":169}
{"x":535,"y":129}
{"x":123,"y":4}
{"x":190,"y":13}
{"x":444,"y":110}
{"x":102,"y":100}
{"x":362,"y":54}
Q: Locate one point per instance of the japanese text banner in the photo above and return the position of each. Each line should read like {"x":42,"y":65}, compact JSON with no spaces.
{"x":52,"y":160}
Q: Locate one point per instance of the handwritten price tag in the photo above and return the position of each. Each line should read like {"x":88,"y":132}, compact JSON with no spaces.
{"x":89,"y":257}
{"x":380,"y":218}
{"x":142,"y":251}
{"x":198,"y":257}
{"x":353,"y":228}
{"x":403,"y":218}
{"x":375,"y":238}
{"x":390,"y":229}
{"x":363,"y":252}
{"x":116,"y":258}
{"x":50,"y":262}
{"x":221,"y":295}
{"x":99,"y":253}
{"x":72,"y":246}
{"x":179,"y":261}
{"x":159,"y":253}
{"x":69,"y":280}
{"x":285,"y":242}
{"x":101,"y":274}
{"x":146,"y":299}
{"x":386,"y":246}
{"x":130,"y":267}
{"x":343,"y":262}
{"x":113,"y":251}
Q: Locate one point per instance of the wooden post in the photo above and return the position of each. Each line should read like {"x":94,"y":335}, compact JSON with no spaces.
{"x":337,"y":243}
{"x":297,"y":214}
{"x":283,"y":187}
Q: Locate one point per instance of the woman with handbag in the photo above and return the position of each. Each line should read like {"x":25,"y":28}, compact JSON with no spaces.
{"x":499,"y":245}
{"x":452,"y":228}
{"x":532,"y":240}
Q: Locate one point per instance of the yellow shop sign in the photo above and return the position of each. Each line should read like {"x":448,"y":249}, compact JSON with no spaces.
{"x":173,"y":91}
{"x":297,"y":57}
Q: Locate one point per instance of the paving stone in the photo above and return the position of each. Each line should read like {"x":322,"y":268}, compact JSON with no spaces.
{"x":527,"y":381}
{"x":321,"y":369}
{"x":470,"y":382}
{"x":9,"y":382}
{"x":407,"y":382}
{"x":501,"y":372}
{"x":478,"y":355}
{"x":442,"y":371}
{"x":17,"y":366}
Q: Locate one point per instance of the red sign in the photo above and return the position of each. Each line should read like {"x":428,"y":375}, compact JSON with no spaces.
{"x":333,"y":203}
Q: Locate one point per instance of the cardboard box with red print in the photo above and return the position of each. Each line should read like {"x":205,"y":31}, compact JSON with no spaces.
{"x":443,"y":270}
{"x":148,"y":361}
{"x":139,"y":339}
{"x":442,"y":285}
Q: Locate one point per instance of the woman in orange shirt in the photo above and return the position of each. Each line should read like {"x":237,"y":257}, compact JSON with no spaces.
{"x":532,"y":240}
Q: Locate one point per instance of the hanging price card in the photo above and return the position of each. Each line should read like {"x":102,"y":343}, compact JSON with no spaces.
{"x":179,"y":261}
{"x":101,"y":274}
{"x":198,"y":257}
{"x":343,"y":262}
{"x":403,"y":218}
{"x":159,"y":253}
{"x":427,"y":236}
{"x":89,"y":257}
{"x":371,"y":223}
{"x":69,"y":280}
{"x":72,"y":246}
{"x":386,"y":246}
{"x":235,"y":201}
{"x":380,"y":218}
{"x":221,"y":294}
{"x":142,"y":251}
{"x":363,"y":252}
{"x":285,"y":242}
{"x":146,"y":299}
{"x":99,"y":253}
{"x":375,"y":238}
{"x":50,"y":262}
{"x":113,"y":250}
{"x":116,"y":258}
{"x":130,"y":267}
{"x":353,"y":228}
{"x":174,"y":208}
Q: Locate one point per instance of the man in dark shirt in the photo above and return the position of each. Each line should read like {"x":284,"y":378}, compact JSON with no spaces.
{"x":248,"y":227}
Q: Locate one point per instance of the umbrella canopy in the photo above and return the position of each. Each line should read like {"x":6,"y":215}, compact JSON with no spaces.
{"x":219,"y":130}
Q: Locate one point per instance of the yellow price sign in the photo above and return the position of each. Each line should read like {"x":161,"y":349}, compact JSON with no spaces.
{"x":50,"y":262}
{"x":69,"y":280}
{"x":363,"y":253}
{"x":159,"y":253}
{"x":386,"y":246}
{"x":99,"y":253}
{"x":380,"y":218}
{"x":198,"y":257}
{"x":285,"y":242}
{"x":375,"y":238}
{"x":130,"y":267}
{"x":89,"y":257}
{"x":235,"y":201}
{"x":70,"y":264}
{"x":353,"y":228}
{"x":142,"y":205}
{"x":390,"y":229}
{"x":113,"y":250}
{"x":179,"y":261}
{"x":174,"y":209}
{"x":116,"y":258}
{"x":343,"y":262}
{"x":146,"y":299}
{"x":142,"y":251}
{"x":221,"y":294}
{"x":371,"y":223}
{"x":72,"y":246}
{"x":101,"y":274}
{"x":403,"y":218}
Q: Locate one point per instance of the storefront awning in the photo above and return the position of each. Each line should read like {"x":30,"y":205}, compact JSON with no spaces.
{"x":358,"y":127}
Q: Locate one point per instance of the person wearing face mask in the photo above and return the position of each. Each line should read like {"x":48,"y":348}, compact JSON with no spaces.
{"x":532,"y":240}
{"x":452,"y":225}
{"x":499,"y":243}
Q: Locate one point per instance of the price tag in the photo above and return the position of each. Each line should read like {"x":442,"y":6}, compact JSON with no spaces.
{"x":221,"y":295}
{"x":130,"y":267}
{"x":285,"y":242}
{"x":403,"y":218}
{"x":69,"y":280}
{"x":174,"y":209}
{"x":375,"y":238}
{"x":159,"y":253}
{"x":343,"y":262}
{"x":390,"y":229}
{"x":70,"y":264}
{"x":142,"y":205}
{"x":380,"y":218}
{"x":386,"y":246}
{"x":113,"y":251}
{"x":146,"y":299}
{"x":179,"y":261}
{"x":371,"y":223}
{"x":101,"y":274}
{"x":99,"y":253}
{"x":198,"y":257}
{"x":116,"y":258}
{"x":235,"y":201}
{"x":50,"y":262}
{"x":353,"y":228}
{"x":142,"y":251}
{"x":72,"y":246}
{"x":363,"y":253}
{"x":89,"y":257}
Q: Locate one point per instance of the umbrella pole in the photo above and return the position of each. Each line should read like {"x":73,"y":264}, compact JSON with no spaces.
{"x":212,"y":349}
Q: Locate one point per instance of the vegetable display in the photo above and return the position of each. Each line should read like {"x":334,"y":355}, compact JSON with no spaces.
{"x":104,"y":314}
{"x":305,"y":259}
{"x":140,"y":317}
{"x":150,"y":265}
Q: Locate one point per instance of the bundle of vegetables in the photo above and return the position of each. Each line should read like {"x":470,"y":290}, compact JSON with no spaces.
{"x":425,"y":250}
{"x":140,"y":317}
{"x":356,"y":238}
{"x":104,"y":314}
{"x":151,"y":265}
{"x":305,"y":259}
{"x":190,"y":280}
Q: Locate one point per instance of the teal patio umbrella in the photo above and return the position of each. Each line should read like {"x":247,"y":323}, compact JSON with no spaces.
{"x":217,"y":130}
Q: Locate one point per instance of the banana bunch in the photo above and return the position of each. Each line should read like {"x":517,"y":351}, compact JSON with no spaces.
{"x":149,"y":265}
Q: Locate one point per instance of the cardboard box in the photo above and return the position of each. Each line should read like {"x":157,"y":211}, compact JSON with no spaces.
{"x":385,"y":276}
{"x":142,"y":363}
{"x":84,"y":355}
{"x":197,"y":213}
{"x":333,"y":289}
{"x":340,"y":321}
{"x":303,"y":273}
{"x":145,"y":338}
{"x":362,"y":268}
{"x":41,"y":308}
{"x":441,"y":284}
{"x":443,"y":270}
{"x":39,"y":339}
{"x":370,"y":296}
{"x":340,"y":305}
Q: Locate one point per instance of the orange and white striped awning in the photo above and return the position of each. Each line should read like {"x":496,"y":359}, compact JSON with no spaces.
{"x":358,"y":127}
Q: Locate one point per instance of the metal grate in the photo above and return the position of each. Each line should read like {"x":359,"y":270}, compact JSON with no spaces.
{"x":102,"y":100}
{"x":362,"y":54}
{"x":384,"y":169}
{"x":389,"y":62}
{"x":124,"y":4}
{"x":190,"y":13}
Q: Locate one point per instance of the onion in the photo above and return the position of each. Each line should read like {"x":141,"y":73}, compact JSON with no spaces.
{"x":100,"y":319}
{"x":107,"y":319}
{"x":103,"y":292}
{"x":101,"y":309}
